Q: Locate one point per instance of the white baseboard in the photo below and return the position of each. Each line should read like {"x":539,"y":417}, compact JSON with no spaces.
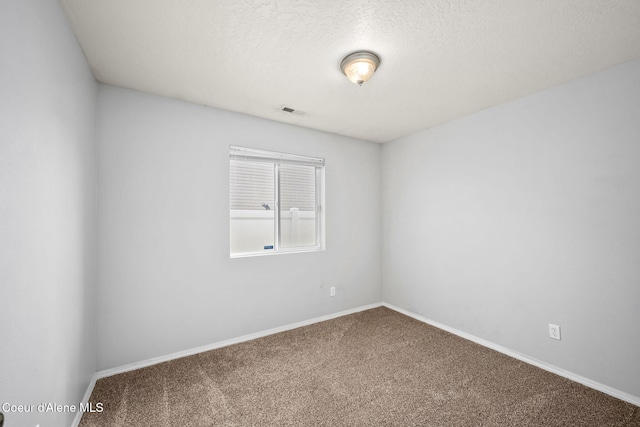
{"x":225,"y":343}
{"x":635,"y":400}
{"x":85,"y":399}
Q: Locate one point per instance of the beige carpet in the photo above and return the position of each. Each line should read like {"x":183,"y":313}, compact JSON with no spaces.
{"x":374,"y":368}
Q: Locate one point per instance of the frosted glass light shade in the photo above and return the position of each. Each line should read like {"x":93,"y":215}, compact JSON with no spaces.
{"x":360,"y":66}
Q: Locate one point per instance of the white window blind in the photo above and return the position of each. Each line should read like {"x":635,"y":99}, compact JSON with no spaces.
{"x":252,"y":185}
{"x":297,"y":187}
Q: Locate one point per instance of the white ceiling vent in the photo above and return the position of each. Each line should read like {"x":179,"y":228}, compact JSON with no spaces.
{"x":290,"y":110}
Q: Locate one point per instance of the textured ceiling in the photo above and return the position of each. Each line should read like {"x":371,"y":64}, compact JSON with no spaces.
{"x":441,"y":59}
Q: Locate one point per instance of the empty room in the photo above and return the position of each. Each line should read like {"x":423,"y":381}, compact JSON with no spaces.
{"x":319,"y":213}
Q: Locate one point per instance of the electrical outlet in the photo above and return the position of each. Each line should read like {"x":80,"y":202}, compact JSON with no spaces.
{"x":554,"y":331}
{"x":333,"y":291}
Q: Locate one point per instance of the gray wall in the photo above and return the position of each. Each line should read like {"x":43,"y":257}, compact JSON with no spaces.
{"x":48,"y":237}
{"x":166,"y":280}
{"x":527,"y":214}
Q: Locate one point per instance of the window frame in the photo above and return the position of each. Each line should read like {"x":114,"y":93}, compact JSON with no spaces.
{"x":239,"y":153}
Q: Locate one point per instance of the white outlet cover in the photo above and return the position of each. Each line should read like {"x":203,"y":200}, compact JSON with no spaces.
{"x":554,"y":331}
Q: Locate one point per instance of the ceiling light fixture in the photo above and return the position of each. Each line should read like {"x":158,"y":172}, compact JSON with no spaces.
{"x":360,"y":66}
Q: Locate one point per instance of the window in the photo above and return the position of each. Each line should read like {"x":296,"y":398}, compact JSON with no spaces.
{"x":275,"y":202}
